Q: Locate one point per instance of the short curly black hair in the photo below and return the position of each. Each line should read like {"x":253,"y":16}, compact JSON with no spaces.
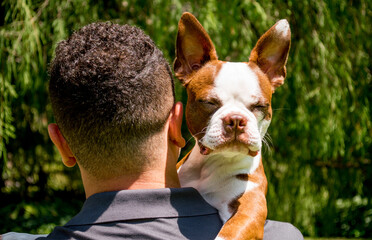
{"x":111,"y":89}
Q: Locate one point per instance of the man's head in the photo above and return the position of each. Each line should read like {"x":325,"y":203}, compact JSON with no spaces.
{"x":112,"y":92}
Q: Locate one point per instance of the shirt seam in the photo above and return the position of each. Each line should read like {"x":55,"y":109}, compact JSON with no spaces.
{"x":137,"y":219}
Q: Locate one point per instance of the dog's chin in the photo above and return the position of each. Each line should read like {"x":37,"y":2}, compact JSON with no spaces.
{"x":232,"y":146}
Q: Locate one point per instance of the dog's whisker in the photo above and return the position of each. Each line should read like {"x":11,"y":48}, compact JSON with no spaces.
{"x":187,"y":142}
{"x":196,"y":134}
{"x":204,"y":130}
{"x":281,"y":109}
{"x":268,"y":143}
{"x":268,"y":138}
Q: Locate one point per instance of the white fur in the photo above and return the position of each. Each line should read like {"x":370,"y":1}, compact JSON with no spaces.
{"x":237,"y":88}
{"x":214,"y":177}
{"x":236,"y":82}
{"x":214,"y":133}
{"x":282,"y":27}
{"x":263,"y":126}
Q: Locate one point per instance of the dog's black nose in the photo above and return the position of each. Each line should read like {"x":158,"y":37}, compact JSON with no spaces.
{"x":234,"y":123}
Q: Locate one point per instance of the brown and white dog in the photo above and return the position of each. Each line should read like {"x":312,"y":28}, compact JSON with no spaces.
{"x":228,"y":112}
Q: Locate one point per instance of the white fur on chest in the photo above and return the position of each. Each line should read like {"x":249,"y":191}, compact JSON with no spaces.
{"x":215,"y":177}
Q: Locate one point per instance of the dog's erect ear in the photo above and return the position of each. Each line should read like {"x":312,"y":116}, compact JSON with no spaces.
{"x":271,"y":52}
{"x":193,"y":48}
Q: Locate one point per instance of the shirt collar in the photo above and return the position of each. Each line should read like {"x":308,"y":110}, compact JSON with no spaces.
{"x":141,"y":204}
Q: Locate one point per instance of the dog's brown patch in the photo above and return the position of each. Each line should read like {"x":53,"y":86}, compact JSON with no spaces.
{"x":234,"y":204}
{"x":243,"y":176}
{"x":197,"y":117}
{"x":265,"y":86}
{"x":251,"y":218}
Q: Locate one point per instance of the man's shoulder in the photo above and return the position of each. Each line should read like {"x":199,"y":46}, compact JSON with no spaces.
{"x":275,"y":230}
{"x":143,"y":214}
{"x":20,"y":236}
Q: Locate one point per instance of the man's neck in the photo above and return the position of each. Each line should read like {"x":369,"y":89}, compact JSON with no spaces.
{"x":161,"y":174}
{"x":150,"y":179}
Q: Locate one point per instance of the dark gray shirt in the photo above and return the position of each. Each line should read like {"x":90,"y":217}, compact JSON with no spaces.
{"x":150,"y":214}
{"x":143,"y":214}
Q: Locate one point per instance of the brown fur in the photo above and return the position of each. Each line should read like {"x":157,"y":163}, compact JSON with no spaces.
{"x":198,"y":118}
{"x":250,"y":211}
{"x":265,"y":85}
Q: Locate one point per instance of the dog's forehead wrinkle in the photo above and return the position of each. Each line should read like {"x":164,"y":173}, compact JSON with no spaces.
{"x":237,"y":82}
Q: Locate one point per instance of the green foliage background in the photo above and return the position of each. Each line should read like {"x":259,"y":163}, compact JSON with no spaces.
{"x":319,"y":163}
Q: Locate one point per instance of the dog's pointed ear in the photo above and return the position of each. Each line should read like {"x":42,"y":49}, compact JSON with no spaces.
{"x":193,"y":47}
{"x":271,"y":52}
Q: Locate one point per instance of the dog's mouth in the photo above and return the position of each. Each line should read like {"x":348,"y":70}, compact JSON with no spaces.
{"x":232,"y":146}
{"x":204,"y":150}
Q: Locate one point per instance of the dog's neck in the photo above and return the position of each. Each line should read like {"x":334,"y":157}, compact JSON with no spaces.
{"x":199,"y":166}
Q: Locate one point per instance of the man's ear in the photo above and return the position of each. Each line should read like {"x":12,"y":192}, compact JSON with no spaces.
{"x":175,"y":124}
{"x":271,"y":52}
{"x":60,"y":142}
{"x":193,"y":47}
